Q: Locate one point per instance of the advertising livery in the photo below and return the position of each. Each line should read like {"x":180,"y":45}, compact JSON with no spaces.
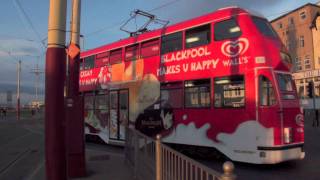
{"x":221,"y":80}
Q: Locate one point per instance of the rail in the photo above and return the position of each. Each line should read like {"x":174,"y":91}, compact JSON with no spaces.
{"x":152,"y":159}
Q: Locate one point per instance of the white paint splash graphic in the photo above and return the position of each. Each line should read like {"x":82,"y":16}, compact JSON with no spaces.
{"x":247,"y":137}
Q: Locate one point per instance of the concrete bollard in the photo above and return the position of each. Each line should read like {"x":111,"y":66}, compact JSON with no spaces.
{"x":158,"y":158}
{"x":228,"y":169}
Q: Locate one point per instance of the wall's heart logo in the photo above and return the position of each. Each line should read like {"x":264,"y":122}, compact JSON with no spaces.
{"x":235,"y":48}
{"x":299,"y":120}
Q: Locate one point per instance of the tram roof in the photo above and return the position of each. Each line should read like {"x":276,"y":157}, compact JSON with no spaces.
{"x":220,"y":14}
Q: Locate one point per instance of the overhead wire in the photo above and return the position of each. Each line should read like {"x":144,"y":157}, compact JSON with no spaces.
{"x":124,"y":21}
{"x":27,"y":18}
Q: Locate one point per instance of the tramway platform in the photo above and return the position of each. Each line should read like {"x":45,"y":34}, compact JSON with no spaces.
{"x":22,"y":153}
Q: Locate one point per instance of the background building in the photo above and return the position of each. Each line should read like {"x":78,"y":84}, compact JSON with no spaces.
{"x":300,"y":32}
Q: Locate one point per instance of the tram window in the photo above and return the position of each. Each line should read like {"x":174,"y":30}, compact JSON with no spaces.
{"x":132,"y":52}
{"x":101,"y":102}
{"x":102,"y":59}
{"x":264,"y":27}
{"x":198,"y":36}
{"x":89,"y":62}
{"x":123,"y":100}
{"x":171,"y":42}
{"x":171,"y":95}
{"x":197,"y":93}
{"x":89,"y":101}
{"x":267,"y":93}
{"x":226,"y":30}
{"x":81,"y":65}
{"x":150,"y":48}
{"x":115,"y":56}
{"x":229,"y":92}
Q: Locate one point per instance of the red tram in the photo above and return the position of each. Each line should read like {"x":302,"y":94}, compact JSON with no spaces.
{"x":221,"y":80}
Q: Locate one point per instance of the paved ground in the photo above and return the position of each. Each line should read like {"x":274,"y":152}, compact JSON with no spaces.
{"x":22,"y":157}
{"x":22,"y":153}
{"x":306,"y":169}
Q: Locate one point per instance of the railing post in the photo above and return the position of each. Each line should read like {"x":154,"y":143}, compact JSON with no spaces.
{"x":228,"y":169}
{"x":158,"y":158}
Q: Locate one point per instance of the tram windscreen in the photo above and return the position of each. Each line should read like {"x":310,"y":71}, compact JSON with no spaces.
{"x":285,"y":82}
{"x":286,"y":86}
{"x":264,"y":27}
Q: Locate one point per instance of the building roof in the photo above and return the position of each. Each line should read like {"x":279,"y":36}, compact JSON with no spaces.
{"x":308,"y":4}
{"x":314,"y":21}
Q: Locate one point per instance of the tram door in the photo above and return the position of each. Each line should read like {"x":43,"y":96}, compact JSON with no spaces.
{"x":269,"y":106}
{"x":119,"y":114}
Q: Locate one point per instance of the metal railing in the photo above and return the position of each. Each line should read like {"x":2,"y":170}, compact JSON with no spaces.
{"x":152,"y":159}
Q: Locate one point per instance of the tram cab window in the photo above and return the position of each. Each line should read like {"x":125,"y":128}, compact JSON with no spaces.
{"x":266,"y":92}
{"x":197,"y":93}
{"x":227,"y":29}
{"x":171,"y":42}
{"x":229,"y":92}
{"x":198,"y":36}
{"x":285,"y":82}
{"x":286,"y":86}
{"x":89,"y":62}
{"x":171,"y":95}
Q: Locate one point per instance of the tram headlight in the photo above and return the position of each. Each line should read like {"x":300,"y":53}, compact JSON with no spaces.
{"x":288,"y":135}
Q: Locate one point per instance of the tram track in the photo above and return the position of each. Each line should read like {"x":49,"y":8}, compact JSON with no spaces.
{"x":14,"y":161}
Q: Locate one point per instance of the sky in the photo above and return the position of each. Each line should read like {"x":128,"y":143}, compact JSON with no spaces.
{"x":24,"y":23}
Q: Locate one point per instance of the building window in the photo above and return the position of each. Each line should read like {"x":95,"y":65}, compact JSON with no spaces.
{"x":301,"y":40}
{"x":307,"y":63}
{"x":280,"y":25}
{"x":291,"y":21}
{"x":198,"y":36}
{"x":226,"y":30}
{"x":229,"y":92}
{"x":197,"y":93}
{"x":303,"y":15}
{"x":171,"y":95}
{"x":171,"y":42}
{"x":298,"y":64}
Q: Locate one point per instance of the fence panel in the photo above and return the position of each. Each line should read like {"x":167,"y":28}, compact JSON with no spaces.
{"x":152,"y":159}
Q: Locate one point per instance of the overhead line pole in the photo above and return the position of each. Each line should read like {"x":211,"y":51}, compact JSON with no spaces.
{"x":18,"y":89}
{"x":74,"y":109}
{"x":55,"y":146}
